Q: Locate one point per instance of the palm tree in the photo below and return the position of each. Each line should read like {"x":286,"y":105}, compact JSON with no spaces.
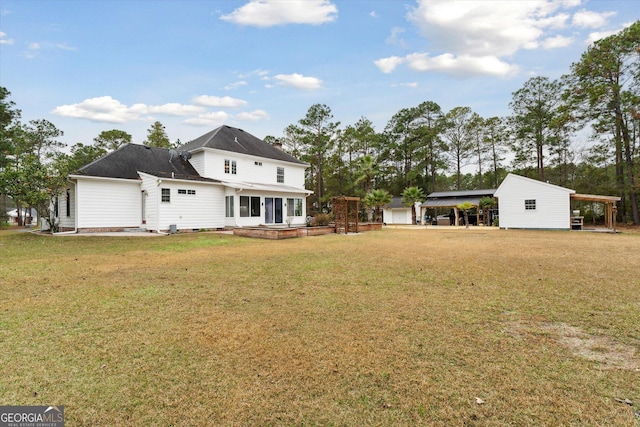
{"x":377,"y":199}
{"x":486,"y":203}
{"x":465,"y":207}
{"x":410,"y":196}
{"x":367,"y":170}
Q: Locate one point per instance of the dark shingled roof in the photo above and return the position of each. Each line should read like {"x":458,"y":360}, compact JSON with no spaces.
{"x":396,"y":202}
{"x":126,"y":161}
{"x":236,"y":140}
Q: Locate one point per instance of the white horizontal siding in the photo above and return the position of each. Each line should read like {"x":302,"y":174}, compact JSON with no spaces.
{"x":197,"y":160}
{"x":397,"y":215}
{"x":67,"y":219}
{"x":108,"y":203}
{"x":260,"y":220}
{"x":205,"y":209}
{"x":150,"y":190}
{"x":210,"y":163}
{"x":552,"y":204}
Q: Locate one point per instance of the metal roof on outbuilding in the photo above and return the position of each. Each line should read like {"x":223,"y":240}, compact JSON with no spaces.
{"x":453,"y":201}
{"x":443,"y":199}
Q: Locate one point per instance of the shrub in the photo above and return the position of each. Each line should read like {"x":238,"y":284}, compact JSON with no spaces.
{"x":320,"y":219}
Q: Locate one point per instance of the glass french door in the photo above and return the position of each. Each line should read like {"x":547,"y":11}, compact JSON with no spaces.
{"x":273,"y":213}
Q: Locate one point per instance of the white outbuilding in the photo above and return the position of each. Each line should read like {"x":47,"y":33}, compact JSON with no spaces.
{"x":397,"y":213}
{"x":528,"y":203}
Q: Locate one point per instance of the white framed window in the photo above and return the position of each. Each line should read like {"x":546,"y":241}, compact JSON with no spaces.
{"x":166,"y":195}
{"x":530,"y":205}
{"x":230,"y":166}
{"x":280,"y":175}
{"x":294,"y":207}
{"x":229,"y":206}
{"x":249,"y":206}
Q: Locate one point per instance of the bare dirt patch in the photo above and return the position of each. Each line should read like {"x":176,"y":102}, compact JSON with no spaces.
{"x":607,"y":352}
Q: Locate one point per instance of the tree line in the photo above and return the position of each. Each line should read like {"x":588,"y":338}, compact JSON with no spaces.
{"x":33,"y":166}
{"x":581,"y":131}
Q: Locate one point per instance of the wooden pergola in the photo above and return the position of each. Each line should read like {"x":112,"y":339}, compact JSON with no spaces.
{"x":610,"y":208}
{"x":345,"y":211}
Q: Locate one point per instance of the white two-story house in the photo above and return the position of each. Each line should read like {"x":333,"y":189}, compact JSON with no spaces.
{"x":225,"y":178}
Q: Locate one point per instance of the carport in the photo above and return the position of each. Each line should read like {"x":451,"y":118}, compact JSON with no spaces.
{"x":610,"y":208}
{"x":451,"y":199}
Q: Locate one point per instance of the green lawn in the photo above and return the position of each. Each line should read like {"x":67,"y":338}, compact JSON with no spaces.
{"x":395,"y":327}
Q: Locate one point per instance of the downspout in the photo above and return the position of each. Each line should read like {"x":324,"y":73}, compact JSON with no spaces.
{"x":75,"y":204}
{"x":235,"y":220}
{"x":158,"y":196}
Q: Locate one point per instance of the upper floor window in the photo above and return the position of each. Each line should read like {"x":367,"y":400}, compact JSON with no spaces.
{"x":280,"y":176}
{"x":530,"y":205}
{"x":230,"y":166}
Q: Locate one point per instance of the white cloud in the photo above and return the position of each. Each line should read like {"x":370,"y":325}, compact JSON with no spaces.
{"x":298,"y":81}
{"x":589,"y":19}
{"x":396,"y":37}
{"x":409,"y":84}
{"x":100,"y":109}
{"x":599,"y":35}
{"x":107,"y":109}
{"x":65,"y":47}
{"x":267,"y":13}
{"x":216,"y":101}
{"x":259,"y":73}
{"x":34,"y":49}
{"x":482,"y":28}
{"x":215,"y":118}
{"x":253,"y":115}
{"x":387,"y":65}
{"x":171,"y":109}
{"x":4,"y":40}
{"x":477,"y":36}
{"x":460,"y":65}
{"x":557,"y":42}
{"x":235,"y":85}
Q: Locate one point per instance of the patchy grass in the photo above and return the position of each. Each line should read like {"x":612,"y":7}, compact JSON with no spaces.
{"x":398,"y":327}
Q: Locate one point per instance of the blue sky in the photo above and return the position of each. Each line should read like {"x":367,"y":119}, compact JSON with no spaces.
{"x":90,"y":66}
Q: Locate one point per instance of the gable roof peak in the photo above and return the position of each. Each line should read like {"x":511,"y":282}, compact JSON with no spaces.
{"x":235,"y":140}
